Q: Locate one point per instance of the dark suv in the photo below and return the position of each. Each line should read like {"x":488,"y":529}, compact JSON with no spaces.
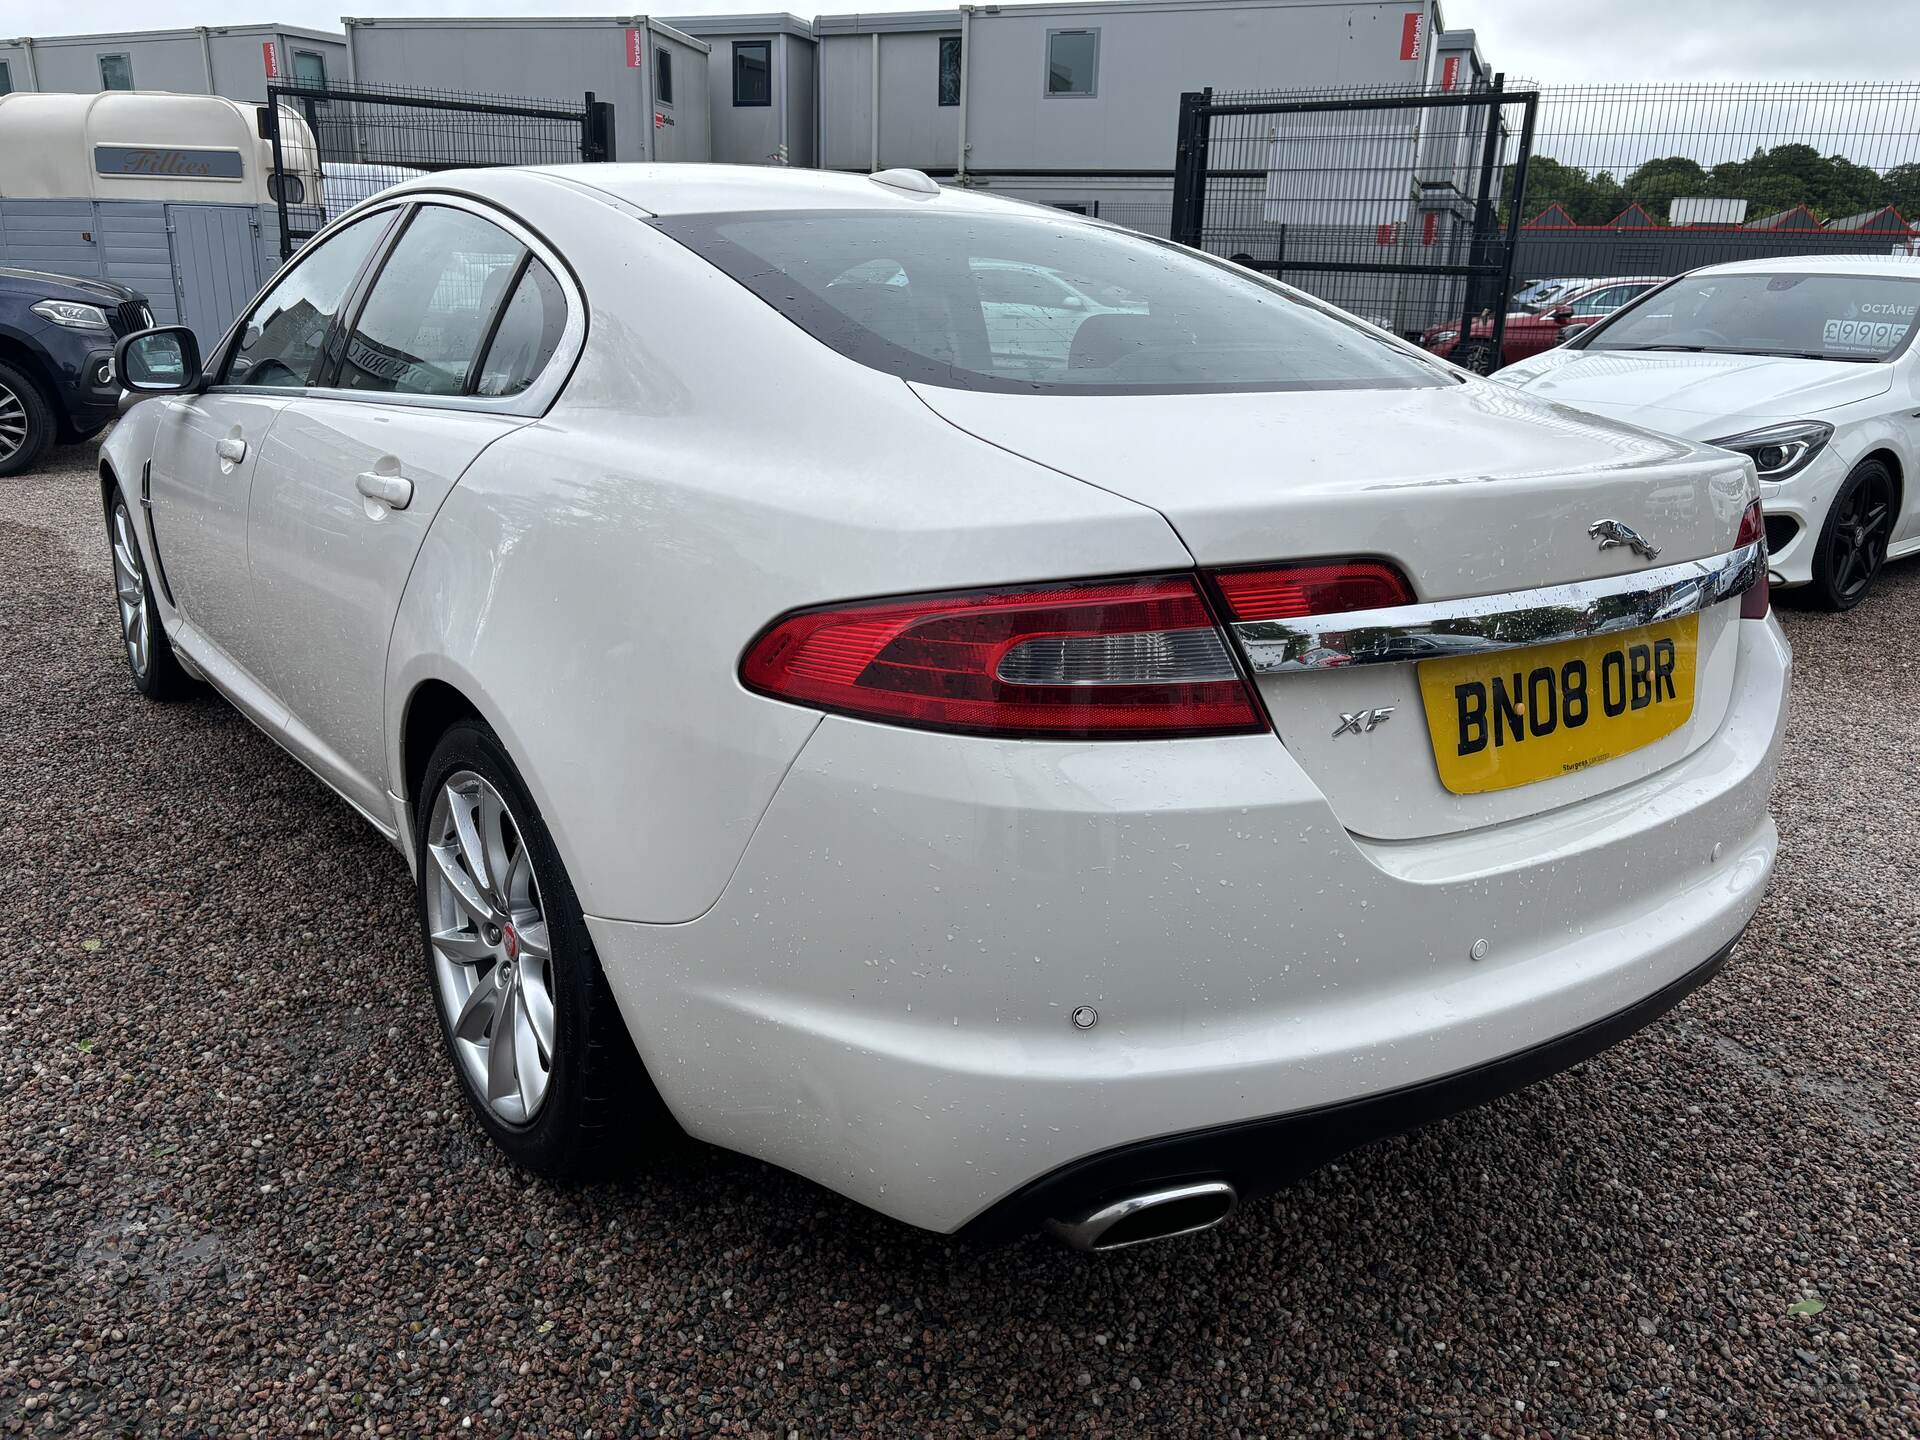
{"x":56,"y":360}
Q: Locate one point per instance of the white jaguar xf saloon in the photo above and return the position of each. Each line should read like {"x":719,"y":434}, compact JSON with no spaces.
{"x":1074,"y":786}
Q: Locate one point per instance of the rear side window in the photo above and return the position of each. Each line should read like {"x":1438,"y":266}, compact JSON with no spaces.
{"x":1028,"y":302}
{"x":527,"y":335}
{"x":428,"y":314}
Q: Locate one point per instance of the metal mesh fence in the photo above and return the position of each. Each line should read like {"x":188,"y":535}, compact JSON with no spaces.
{"x":350,"y":142}
{"x":1383,"y":201}
{"x":1659,"y":179}
{"x":1423,"y":210}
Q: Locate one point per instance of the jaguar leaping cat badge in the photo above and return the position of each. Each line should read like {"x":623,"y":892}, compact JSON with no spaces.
{"x":1616,"y":532}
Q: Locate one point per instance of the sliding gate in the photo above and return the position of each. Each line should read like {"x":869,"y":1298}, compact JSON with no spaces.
{"x":1386,"y":202}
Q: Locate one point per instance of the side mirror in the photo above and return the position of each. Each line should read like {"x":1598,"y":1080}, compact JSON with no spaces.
{"x":1561,"y":314}
{"x":161,"y":361}
{"x":1073,"y":302}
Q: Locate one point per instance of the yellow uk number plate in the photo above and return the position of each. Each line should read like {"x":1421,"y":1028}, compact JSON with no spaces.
{"x":1524,"y":715}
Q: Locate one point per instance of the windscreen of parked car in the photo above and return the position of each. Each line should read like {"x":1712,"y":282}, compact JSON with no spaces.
{"x":1818,"y":317}
{"x":1027,"y":303}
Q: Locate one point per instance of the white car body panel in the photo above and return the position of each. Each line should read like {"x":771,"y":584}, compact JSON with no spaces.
{"x":200,"y":501}
{"x":329,"y":565}
{"x":851,"y":948}
{"x":1874,"y":408}
{"x":1471,"y":490}
{"x":1245,"y":954}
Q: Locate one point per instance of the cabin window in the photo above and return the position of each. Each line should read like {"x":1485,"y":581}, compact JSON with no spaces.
{"x":662,"y":76}
{"x":1073,"y":61}
{"x":949,"y":69}
{"x":309,"y":69}
{"x":6,"y":78}
{"x":116,"y":72}
{"x":752,"y":72}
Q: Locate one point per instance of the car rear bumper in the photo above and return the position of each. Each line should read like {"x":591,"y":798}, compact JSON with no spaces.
{"x":883,"y":997}
{"x":1260,"y":1155}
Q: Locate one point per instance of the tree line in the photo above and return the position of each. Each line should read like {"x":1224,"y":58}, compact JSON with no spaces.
{"x":1769,"y":181}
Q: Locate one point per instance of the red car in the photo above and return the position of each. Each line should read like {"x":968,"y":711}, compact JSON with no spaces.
{"x":1528,"y":332}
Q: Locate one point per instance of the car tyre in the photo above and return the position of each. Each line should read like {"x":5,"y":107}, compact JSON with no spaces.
{"x":156,"y":670}
{"x":1478,"y":356}
{"x":526,"y":1016}
{"x":1853,"y":541}
{"x":27,"y":423}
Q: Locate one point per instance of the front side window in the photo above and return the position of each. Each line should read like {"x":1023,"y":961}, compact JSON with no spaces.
{"x":752,"y":72}
{"x":116,"y":72}
{"x":1858,"y":318}
{"x":663,"y":76}
{"x":310,"y":69}
{"x":1026,"y":303}
{"x":430,"y":310}
{"x":282,"y":339}
{"x":949,"y":69}
{"x":1073,"y":56}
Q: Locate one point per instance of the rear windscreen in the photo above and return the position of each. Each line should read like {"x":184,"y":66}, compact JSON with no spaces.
{"x":1026,"y":303}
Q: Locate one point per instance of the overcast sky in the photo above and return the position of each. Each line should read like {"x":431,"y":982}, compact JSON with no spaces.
{"x":1553,"y":41}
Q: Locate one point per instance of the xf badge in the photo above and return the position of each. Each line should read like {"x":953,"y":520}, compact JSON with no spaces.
{"x":1617,"y":532}
{"x":1362,"y":722}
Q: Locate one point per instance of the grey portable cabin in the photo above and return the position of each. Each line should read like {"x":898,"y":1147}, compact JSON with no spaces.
{"x":760,"y":87}
{"x":654,"y":76}
{"x":237,"y":61}
{"x":170,"y":194}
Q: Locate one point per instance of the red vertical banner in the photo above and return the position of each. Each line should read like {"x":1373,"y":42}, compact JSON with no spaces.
{"x":636,"y":48}
{"x":1450,"y":72}
{"x":1412,"y":32}
{"x":270,"y":59}
{"x":1429,"y":227}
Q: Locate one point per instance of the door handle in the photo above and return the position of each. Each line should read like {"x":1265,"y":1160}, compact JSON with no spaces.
{"x":393,"y":491}
{"x":232,"y":449}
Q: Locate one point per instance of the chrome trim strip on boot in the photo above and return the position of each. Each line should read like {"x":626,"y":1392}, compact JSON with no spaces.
{"x":1481,"y":624}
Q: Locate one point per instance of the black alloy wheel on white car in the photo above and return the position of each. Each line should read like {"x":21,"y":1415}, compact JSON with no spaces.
{"x":1853,"y":542}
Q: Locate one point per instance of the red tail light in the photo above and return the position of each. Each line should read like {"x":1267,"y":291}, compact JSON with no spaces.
{"x":1755,"y":603}
{"x":1285,"y":592}
{"x":1108,"y":659}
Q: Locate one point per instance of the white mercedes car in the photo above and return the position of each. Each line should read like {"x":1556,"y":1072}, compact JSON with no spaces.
{"x":1805,"y":364}
{"x":1009,"y":796}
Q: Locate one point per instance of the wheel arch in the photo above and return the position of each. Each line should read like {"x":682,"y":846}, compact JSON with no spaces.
{"x":109,"y":482}
{"x":432,"y":707}
{"x":17,"y":352}
{"x":1888,"y":457}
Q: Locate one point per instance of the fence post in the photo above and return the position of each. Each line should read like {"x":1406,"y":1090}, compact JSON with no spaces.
{"x":1483,"y":227}
{"x":596,"y":130}
{"x":1190,"y":167}
{"x":270,"y":121}
{"x":1516,"y":200}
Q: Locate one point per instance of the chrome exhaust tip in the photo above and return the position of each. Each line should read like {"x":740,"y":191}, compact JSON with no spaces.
{"x":1150,"y":1215}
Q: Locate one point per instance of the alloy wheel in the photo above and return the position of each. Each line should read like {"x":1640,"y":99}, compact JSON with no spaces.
{"x":13,"y":423}
{"x":492,"y":957}
{"x":130,"y":588}
{"x":1860,"y":534}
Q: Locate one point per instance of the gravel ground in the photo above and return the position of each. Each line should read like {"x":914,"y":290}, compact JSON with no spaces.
{"x":242,"y":1196}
